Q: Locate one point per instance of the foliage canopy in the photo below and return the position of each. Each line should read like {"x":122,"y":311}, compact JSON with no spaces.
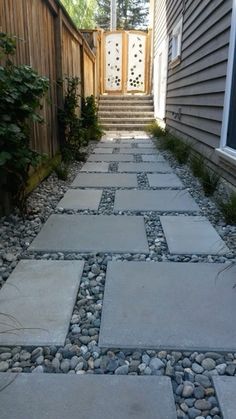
{"x":131,"y":14}
{"x":82,"y":12}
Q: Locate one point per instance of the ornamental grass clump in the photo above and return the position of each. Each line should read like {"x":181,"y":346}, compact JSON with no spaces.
{"x":155,"y":130}
{"x":210,"y":181}
{"x":197,"y":165}
{"x":21,"y":91}
{"x":182,"y":152}
{"x":228,"y":209}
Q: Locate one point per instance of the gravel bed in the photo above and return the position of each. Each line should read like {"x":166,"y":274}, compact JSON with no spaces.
{"x":190,"y":372}
{"x":143,"y":181}
{"x":113,"y":167}
{"x":138,"y":158}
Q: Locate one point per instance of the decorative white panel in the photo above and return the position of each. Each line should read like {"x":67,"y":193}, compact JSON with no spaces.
{"x":113,"y":62}
{"x":136,"y":62}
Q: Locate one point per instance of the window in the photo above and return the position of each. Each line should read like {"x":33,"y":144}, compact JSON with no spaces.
{"x":227,"y":148}
{"x":177,"y":41}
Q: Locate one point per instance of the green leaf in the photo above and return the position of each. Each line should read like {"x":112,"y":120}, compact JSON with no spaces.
{"x":4,"y":157}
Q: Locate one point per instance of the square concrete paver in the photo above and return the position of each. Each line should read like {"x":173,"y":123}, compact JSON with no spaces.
{"x":137,"y":143}
{"x":95,"y":167}
{"x":136,"y":150}
{"x":111,"y":157}
{"x":106,"y":180}
{"x":166,"y":180}
{"x":192,"y":235}
{"x":60,"y":396}
{"x":92,"y":233}
{"x":75,"y":199}
{"x":147,"y":145}
{"x":39,"y":298}
{"x":144,"y":167}
{"x":226,"y":394}
{"x":100,"y":150}
{"x":110,"y":144}
{"x":169,"y":305}
{"x":144,"y":200}
{"x":153,"y":158}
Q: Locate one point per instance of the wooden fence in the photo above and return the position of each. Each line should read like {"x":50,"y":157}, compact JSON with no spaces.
{"x":48,"y":40}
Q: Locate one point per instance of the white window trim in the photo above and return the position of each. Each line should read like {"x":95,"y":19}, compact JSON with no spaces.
{"x":177,"y":34}
{"x":225,"y":151}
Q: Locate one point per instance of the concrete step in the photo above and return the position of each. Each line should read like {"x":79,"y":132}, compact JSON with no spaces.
{"x":126,"y":120}
{"x":130,"y":114}
{"x":126,"y":103}
{"x":126,"y":98}
{"x":125,"y":127}
{"x":118,"y":108}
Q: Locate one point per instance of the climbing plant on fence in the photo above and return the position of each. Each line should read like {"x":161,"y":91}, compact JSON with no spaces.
{"x":21,"y":90}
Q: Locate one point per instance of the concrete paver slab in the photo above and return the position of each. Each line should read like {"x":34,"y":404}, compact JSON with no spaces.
{"x":39,"y":298}
{"x":95,"y":167}
{"x":92,"y":233}
{"x":144,"y":167}
{"x":75,"y":199}
{"x":136,"y":150}
{"x":147,"y":145}
{"x":138,"y":143}
{"x":100,"y":150}
{"x":192,"y":235}
{"x":158,"y":200}
{"x":106,"y":180}
{"x":153,"y":158}
{"x":110,"y":144}
{"x":166,"y":180}
{"x":226,"y":393}
{"x":176,"y":306}
{"x":111,"y":157}
{"x":60,"y":396}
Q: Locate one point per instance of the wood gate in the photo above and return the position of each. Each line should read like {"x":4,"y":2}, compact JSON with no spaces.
{"x":126,"y":62}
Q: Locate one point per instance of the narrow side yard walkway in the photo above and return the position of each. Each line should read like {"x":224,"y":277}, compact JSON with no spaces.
{"x":129,"y":290}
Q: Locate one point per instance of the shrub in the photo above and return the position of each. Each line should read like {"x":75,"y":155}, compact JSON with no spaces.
{"x":228,"y":208}
{"x":70,"y":122}
{"x":21,"y":90}
{"x":90,"y":119}
{"x":62,"y":171}
{"x":209,"y":181}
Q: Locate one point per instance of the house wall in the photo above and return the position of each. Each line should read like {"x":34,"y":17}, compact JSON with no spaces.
{"x":196,"y":86}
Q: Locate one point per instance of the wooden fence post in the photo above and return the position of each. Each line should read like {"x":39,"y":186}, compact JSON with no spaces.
{"x":82,"y":68}
{"x":59,"y":72}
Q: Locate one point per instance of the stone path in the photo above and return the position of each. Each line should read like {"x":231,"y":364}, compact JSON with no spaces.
{"x":55,"y":396}
{"x":125,"y":204}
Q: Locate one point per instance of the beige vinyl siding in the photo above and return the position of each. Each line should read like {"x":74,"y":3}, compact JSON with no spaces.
{"x":196,"y":87}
